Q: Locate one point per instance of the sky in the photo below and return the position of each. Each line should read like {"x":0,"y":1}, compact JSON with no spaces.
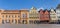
{"x":27,"y":4}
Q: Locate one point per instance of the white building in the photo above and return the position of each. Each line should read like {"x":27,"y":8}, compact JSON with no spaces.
{"x":58,"y":14}
{"x":53,"y":16}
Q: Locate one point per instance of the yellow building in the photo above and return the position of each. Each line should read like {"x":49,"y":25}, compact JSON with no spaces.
{"x":24,"y":16}
{"x":33,"y":16}
{"x":10,"y":16}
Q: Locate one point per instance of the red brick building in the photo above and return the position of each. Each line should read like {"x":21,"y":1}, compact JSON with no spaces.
{"x":44,"y":15}
{"x":41,"y":15}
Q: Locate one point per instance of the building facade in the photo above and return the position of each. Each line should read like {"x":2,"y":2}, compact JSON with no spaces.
{"x":41,"y":14}
{"x":10,"y":16}
{"x":33,"y":16}
{"x":58,"y":12}
{"x":53,"y":16}
{"x":14,"y":16}
{"x":24,"y":16}
{"x":44,"y":15}
{"x":1,"y":16}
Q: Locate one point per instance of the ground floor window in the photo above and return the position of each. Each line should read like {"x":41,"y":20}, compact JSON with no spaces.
{"x":14,"y":21}
{"x":19,"y":22}
{"x":24,"y":21}
{"x":3,"y":21}
{"x":31,"y":22}
{"x":7,"y":21}
{"x":36,"y":22}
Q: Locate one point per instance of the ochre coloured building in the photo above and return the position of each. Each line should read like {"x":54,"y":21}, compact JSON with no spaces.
{"x":10,"y":16}
{"x":14,"y":16}
{"x":1,"y":17}
{"x":24,"y":13}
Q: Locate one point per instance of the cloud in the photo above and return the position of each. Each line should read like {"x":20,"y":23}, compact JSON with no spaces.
{"x":1,"y":9}
{"x":40,"y":8}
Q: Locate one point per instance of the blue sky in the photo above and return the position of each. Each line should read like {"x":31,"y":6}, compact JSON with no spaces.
{"x":21,"y":4}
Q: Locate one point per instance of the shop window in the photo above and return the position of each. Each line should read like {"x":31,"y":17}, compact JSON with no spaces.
{"x":31,"y":21}
{"x":19,"y":21}
{"x":2,"y":21}
{"x":7,"y":21}
{"x":24,"y":21}
{"x":14,"y":21}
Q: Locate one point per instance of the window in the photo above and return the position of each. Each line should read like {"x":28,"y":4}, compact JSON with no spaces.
{"x":59,"y":17}
{"x":19,"y":21}
{"x":24,"y":15}
{"x":53,"y":16}
{"x":9,"y":16}
{"x":6,"y":16}
{"x":31,"y":21}
{"x":18,"y":16}
{"x":15,"y":15}
{"x":14,"y":21}
{"x":3,"y":21}
{"x":3,"y":16}
{"x":52,"y":12}
{"x":7,"y":21}
{"x":12,"y":16}
{"x":24,"y":21}
{"x":58,"y":12}
{"x":36,"y":22}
